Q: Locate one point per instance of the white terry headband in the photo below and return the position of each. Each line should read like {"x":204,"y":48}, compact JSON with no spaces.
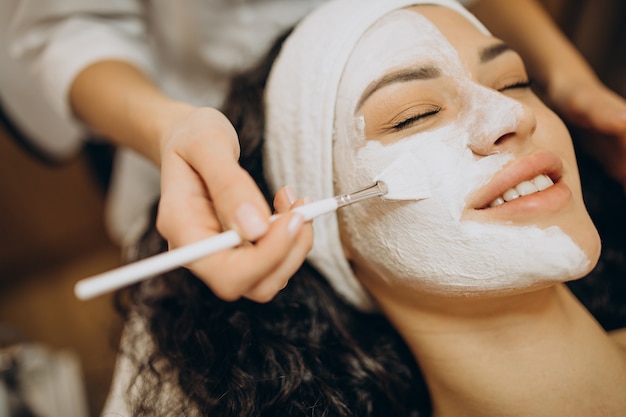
{"x":300,"y":110}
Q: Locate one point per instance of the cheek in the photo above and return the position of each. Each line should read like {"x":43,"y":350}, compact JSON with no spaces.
{"x":444,"y":162}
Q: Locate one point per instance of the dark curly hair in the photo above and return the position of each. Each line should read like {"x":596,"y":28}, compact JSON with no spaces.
{"x":305,"y":353}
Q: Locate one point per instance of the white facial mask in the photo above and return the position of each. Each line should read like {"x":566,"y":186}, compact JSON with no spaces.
{"x":425,"y":243}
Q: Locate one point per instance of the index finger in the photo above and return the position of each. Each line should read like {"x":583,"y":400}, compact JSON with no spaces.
{"x":237,"y":199}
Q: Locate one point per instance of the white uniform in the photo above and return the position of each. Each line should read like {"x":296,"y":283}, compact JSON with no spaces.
{"x":190,"y":48}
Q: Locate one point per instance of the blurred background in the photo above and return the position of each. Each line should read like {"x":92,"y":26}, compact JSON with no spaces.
{"x":598,"y":29}
{"x":53,"y":234}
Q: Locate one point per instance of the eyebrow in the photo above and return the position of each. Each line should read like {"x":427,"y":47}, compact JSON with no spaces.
{"x":491,"y":52}
{"x":422,"y":73}
{"x":430,"y":72}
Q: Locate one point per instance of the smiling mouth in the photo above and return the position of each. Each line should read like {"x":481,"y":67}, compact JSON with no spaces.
{"x":524,"y":188}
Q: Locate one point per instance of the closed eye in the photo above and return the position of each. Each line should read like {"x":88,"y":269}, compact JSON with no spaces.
{"x":409,"y":121}
{"x":517,"y":85}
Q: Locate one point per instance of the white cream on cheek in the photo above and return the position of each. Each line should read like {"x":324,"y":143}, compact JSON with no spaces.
{"x":425,"y":243}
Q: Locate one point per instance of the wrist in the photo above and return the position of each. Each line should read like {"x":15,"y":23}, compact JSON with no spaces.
{"x":169,"y":116}
{"x":562,"y":85}
{"x":566,"y":72}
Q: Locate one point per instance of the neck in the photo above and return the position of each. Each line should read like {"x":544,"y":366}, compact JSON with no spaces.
{"x":532,"y":354}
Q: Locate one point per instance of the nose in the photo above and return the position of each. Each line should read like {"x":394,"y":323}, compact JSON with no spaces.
{"x":498,"y":123}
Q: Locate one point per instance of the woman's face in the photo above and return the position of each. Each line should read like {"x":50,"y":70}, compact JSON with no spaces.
{"x":425,"y":81}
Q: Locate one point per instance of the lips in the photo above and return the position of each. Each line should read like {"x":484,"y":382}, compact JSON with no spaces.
{"x":519,"y":180}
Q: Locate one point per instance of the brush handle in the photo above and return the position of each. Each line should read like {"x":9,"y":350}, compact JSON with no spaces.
{"x":167,"y":261}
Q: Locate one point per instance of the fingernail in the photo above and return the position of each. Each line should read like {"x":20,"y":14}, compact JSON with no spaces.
{"x":291,"y":194}
{"x":250,"y":220}
{"x":295,"y":224}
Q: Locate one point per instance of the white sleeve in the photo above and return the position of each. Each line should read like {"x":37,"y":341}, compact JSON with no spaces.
{"x":56,"y":40}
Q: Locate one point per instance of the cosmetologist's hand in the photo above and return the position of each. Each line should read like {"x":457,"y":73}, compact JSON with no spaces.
{"x":601,"y":114}
{"x":204,"y":191}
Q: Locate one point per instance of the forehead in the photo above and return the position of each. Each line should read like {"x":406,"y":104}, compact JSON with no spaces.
{"x":410,"y":38}
{"x":401,"y":37}
{"x":457,"y":30}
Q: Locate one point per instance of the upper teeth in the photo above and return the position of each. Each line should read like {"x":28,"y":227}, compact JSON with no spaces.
{"x":539,"y":183}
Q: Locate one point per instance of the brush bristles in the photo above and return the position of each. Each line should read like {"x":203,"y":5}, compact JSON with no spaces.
{"x":405,"y":179}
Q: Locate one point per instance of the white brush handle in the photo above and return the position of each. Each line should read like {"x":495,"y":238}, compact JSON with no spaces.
{"x":158,"y":264}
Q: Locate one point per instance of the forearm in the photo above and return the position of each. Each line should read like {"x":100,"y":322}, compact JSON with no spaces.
{"x":121,"y":103}
{"x":527,"y":27}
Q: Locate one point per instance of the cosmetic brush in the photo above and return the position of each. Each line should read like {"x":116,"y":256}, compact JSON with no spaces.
{"x":401,"y":180}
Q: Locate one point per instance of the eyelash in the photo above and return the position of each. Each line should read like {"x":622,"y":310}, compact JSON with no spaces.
{"x":409,"y":121}
{"x":519,"y":84}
